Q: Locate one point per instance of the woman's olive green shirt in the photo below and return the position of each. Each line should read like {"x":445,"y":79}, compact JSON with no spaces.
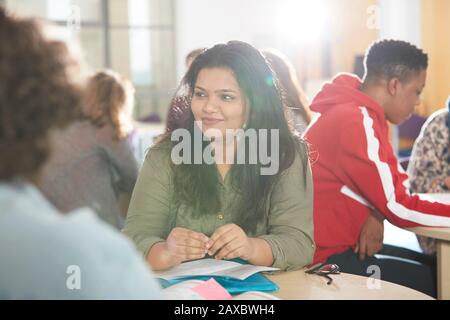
{"x":287,"y":225}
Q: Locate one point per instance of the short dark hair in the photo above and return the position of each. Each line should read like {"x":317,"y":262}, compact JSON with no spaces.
{"x":387,"y":59}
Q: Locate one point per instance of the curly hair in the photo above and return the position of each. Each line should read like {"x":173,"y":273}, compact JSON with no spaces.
{"x":393,"y":59}
{"x":36,"y":94}
{"x":109,"y":98}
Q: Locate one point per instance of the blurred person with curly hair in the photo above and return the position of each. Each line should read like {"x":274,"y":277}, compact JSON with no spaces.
{"x":46,"y":255}
{"x":92,"y":161}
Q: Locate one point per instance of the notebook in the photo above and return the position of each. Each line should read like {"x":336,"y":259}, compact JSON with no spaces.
{"x":209,"y":290}
{"x":236,"y":276}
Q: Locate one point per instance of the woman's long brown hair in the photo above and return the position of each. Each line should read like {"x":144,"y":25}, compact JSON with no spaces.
{"x":109,"y":98}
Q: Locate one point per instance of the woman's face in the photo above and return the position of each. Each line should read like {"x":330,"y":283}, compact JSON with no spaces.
{"x":218,"y":102}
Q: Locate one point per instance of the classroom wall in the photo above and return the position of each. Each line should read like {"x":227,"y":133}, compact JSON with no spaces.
{"x":341,"y":40}
{"x":436,"y":41}
{"x":401,"y":20}
{"x":202,"y":23}
{"x":354,"y":31}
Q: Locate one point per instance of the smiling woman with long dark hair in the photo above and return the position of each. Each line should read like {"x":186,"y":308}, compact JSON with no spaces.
{"x":189,"y":210}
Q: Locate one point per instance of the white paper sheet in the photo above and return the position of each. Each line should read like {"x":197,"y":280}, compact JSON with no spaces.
{"x":212,"y":267}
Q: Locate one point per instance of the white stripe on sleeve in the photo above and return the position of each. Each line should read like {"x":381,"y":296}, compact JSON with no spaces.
{"x":385,"y":175}
{"x":353,"y":195}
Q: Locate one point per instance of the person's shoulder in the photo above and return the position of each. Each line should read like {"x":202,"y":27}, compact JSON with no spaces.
{"x":76,"y":246}
{"x":160,"y":151}
{"x":438,"y":118}
{"x":78,"y":232}
{"x":79,"y":129}
{"x":340,"y":117}
{"x":344,"y":110}
{"x":109,"y":259}
{"x":435,"y":130}
{"x":91,"y":242}
{"x":82,"y":126}
{"x":42,"y":248}
{"x":301,"y":157}
{"x":302,"y":150}
{"x":33,"y":219}
{"x":163,"y":143}
{"x":104,"y":132}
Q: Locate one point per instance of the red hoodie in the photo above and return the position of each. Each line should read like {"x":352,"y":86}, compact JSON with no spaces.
{"x":355,"y":169}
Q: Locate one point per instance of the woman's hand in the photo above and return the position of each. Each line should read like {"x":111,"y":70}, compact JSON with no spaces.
{"x":184,"y":245}
{"x":229,"y":242}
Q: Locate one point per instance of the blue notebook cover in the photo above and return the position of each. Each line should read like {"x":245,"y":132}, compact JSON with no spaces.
{"x":256,"y":282}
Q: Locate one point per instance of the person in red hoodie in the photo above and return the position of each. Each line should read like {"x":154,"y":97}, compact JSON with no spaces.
{"x":355,"y":170}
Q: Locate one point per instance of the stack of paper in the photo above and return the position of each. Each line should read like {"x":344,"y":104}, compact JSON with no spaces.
{"x":209,"y":290}
{"x":212,"y":267}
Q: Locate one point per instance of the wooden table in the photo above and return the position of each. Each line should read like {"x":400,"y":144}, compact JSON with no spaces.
{"x":442,"y":236}
{"x":297,"y":285}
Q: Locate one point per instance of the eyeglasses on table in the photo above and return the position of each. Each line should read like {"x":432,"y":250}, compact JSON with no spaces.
{"x":325,"y":270}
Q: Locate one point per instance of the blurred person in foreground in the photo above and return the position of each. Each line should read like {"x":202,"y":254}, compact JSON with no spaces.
{"x":44,"y":254}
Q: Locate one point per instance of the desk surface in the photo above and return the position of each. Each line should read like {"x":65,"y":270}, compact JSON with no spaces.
{"x":442,"y":236}
{"x":297,"y":285}
{"x":436,"y":233}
